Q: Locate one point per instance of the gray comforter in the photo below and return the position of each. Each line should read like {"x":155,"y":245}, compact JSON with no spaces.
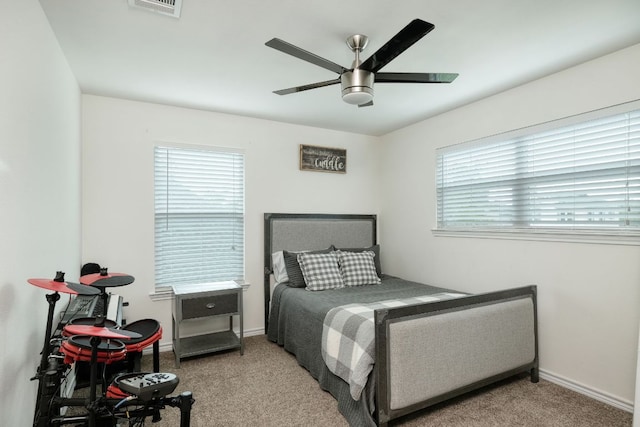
{"x":296,"y":322}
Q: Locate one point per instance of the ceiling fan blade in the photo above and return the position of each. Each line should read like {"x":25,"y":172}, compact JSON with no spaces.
{"x":398,"y":44}
{"x":368,"y":104}
{"x":292,"y":50}
{"x":415,"y":77}
{"x":306,"y":87}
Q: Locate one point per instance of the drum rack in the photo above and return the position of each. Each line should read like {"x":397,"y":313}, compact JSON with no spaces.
{"x":131,"y":398}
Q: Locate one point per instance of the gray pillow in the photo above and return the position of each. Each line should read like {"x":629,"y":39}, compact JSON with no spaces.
{"x":296,"y":279}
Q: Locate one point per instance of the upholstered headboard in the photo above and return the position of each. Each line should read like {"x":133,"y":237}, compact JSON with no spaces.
{"x":300,"y":232}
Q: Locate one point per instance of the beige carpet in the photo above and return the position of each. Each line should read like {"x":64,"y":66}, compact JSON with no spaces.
{"x":266,"y":387}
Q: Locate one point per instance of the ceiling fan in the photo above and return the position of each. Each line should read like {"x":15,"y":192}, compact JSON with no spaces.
{"x":357,"y":81}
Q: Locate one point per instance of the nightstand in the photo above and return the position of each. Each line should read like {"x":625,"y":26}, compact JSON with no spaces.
{"x":200,"y":302}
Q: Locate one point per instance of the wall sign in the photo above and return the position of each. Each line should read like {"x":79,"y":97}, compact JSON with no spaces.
{"x":323,"y":159}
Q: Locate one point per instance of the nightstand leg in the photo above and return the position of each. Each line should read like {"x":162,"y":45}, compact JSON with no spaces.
{"x":241,"y":324}
{"x":176,"y":340}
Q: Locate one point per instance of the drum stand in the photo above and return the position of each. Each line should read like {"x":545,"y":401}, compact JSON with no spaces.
{"x":184,"y":402}
{"x":93,"y":381}
{"x":47,"y":371}
{"x":50,"y":372}
{"x":47,"y":374}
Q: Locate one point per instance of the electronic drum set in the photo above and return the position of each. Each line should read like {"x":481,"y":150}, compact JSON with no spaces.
{"x":131,"y":396}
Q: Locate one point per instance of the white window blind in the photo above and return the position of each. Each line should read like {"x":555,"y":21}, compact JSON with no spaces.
{"x":199,"y":216}
{"x":583,"y":177}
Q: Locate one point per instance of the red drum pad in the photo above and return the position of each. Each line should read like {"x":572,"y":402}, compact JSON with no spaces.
{"x":64,"y":287}
{"x":100,"y":331}
{"x":78,"y":348}
{"x":88,"y":321}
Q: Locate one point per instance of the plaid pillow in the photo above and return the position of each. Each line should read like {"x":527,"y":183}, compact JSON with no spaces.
{"x":358,"y":268}
{"x":320,"y":271}
{"x":374,"y":248}
{"x":294,"y":274}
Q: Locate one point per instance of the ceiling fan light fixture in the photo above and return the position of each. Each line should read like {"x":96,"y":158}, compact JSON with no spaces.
{"x":357,"y":96}
{"x":357,"y":86}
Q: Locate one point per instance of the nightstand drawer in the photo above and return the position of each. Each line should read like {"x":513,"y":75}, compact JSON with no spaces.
{"x":209,"y":306}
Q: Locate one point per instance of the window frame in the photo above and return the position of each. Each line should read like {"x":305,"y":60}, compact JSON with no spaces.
{"x":601,"y":236}
{"x":163,"y":291}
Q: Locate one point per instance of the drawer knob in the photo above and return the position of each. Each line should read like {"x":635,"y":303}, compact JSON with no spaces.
{"x":210,"y":305}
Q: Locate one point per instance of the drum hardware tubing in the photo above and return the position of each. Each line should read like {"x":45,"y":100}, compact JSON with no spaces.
{"x":46,"y":349}
{"x":68,"y":420}
{"x":105,"y":302}
{"x":93,"y":380}
{"x":46,"y":389}
{"x":184,"y":402}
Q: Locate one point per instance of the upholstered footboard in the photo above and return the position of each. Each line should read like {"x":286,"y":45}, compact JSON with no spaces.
{"x":431,"y":352}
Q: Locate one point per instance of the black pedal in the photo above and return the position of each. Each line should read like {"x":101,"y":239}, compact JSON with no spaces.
{"x":149,"y":386}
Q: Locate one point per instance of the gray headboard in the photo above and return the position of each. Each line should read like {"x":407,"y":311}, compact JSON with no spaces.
{"x":299,"y":232}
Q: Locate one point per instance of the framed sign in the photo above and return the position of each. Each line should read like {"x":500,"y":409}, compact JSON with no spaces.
{"x":323,"y":159}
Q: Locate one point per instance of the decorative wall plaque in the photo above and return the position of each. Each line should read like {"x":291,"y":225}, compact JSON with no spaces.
{"x":323,"y":159}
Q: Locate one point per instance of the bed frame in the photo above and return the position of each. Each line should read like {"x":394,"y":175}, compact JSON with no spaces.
{"x":425,"y":353}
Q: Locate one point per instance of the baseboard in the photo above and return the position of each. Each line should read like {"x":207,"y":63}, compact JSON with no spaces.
{"x":254,"y":332}
{"x":587,"y":391}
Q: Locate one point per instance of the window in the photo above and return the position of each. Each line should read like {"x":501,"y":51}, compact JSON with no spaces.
{"x":199,"y":216}
{"x":580,"y":178}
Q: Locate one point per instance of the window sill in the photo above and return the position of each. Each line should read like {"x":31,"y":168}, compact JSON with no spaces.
{"x":165,"y":292}
{"x":602,"y":238}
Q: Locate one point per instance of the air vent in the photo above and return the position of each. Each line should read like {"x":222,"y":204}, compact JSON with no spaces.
{"x":166,"y":7}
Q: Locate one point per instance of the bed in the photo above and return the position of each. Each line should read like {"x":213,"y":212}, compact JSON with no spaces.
{"x":427,"y":344}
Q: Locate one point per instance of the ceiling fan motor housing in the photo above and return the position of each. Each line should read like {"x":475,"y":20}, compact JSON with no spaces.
{"x":357,"y":86}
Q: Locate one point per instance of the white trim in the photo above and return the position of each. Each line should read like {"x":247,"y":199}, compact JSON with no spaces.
{"x":546,"y":236}
{"x":598,"y":395}
{"x":254,"y":332}
{"x":197,"y":146}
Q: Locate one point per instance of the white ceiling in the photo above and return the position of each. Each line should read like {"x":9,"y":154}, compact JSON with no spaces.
{"x":214,"y":58}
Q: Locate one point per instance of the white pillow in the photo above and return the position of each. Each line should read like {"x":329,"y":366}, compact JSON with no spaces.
{"x":279,"y":268}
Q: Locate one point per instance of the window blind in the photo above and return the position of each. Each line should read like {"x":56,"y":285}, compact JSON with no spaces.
{"x":584,"y":176}
{"x":199,"y":216}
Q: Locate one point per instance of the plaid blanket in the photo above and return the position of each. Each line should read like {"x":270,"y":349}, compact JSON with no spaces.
{"x":348,"y":338}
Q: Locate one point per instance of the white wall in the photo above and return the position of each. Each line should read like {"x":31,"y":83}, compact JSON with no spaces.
{"x":589,"y":294}
{"x":39,"y":193}
{"x":117,"y":175}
